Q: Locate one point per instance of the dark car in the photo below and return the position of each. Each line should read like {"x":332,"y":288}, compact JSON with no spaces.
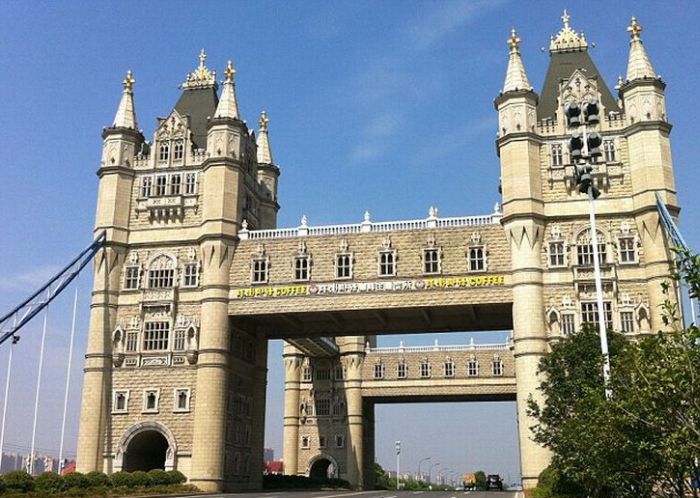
{"x":494,"y":481}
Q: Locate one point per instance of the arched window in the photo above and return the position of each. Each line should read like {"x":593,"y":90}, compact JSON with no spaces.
{"x":161,"y":272}
{"x":164,"y":152}
{"x":179,"y":150}
{"x":584,"y":249}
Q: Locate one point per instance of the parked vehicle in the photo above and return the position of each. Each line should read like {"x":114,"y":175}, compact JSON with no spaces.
{"x":494,"y":481}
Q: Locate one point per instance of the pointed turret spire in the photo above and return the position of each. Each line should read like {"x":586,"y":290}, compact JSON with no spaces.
{"x":126,"y":115}
{"x":264,"y":151}
{"x":228,"y":105}
{"x":516,"y":77}
{"x":639,"y":66}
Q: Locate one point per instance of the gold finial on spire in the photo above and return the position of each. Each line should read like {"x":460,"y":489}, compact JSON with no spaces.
{"x":565,"y":17}
{"x":202,"y":58}
{"x":514,"y":41}
{"x":634,"y":29}
{"x":129,"y":81}
{"x":201,"y":77}
{"x":264,"y":121}
{"x":229,"y":72}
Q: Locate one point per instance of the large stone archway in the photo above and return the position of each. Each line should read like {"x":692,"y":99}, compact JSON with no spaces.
{"x":146,"y":446}
{"x":323,"y":467}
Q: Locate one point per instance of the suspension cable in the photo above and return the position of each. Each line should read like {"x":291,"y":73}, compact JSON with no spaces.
{"x":68,"y":372}
{"x":7,"y":394}
{"x":38,"y":388}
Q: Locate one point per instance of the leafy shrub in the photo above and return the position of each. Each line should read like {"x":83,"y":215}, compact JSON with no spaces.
{"x":141,"y":478}
{"x":76,"y":480}
{"x":97,"y":479}
{"x":123,"y":479}
{"x":176,"y":477}
{"x":159,"y":477}
{"x":2,"y":484}
{"x":19,"y":480}
{"x":49,"y":482}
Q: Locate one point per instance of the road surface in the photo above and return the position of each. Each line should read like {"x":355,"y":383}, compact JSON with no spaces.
{"x":371,"y":494}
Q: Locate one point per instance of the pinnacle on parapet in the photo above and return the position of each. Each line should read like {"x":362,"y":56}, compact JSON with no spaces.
{"x":639,"y":66}
{"x":264,"y":151}
{"x":126,"y":115}
{"x":228,"y":104}
{"x":201,"y":77}
{"x":516,"y":77}
{"x":567,"y":40}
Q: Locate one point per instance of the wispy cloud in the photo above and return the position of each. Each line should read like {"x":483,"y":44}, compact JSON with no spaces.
{"x":450,"y":142}
{"x":445,"y":19}
{"x":29,"y":280}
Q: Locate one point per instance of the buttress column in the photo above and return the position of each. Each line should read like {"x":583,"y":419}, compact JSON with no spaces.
{"x":292,"y":377}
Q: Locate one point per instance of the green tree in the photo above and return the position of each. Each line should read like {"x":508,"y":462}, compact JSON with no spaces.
{"x":480,"y":479}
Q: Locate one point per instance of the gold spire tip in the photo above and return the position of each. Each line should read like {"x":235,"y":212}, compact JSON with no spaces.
{"x":514,"y":41}
{"x":264,"y":121}
{"x":129,"y":81}
{"x":229,"y":72}
{"x":634,"y":29}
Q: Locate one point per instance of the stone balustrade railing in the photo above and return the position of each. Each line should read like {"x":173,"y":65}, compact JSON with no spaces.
{"x":472,"y":346}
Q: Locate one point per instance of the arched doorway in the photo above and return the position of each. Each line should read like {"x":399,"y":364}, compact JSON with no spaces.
{"x":147,"y":450}
{"x":323,"y":467}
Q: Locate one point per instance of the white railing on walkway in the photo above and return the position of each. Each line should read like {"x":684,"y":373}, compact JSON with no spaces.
{"x":368,"y":226}
{"x":472,"y":346}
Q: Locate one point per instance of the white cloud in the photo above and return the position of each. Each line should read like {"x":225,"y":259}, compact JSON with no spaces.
{"x":449,"y":143}
{"x":28,"y":281}
{"x":446,"y":18}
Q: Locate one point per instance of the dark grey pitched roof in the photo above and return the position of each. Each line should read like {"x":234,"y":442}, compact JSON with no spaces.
{"x":561,"y":67}
{"x":198,"y":104}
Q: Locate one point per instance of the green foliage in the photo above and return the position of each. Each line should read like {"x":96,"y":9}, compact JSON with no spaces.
{"x":97,"y":479}
{"x":18,"y":480}
{"x":76,"y":480}
{"x":123,"y":479}
{"x":176,"y":477}
{"x":2,"y":484}
{"x":158,"y":477}
{"x":480,"y":479}
{"x":141,"y":478}
{"x":551,"y":483}
{"x":49,"y":482}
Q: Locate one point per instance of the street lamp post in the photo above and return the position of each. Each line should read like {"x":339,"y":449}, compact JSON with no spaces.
{"x":430,"y":469}
{"x":398,"y":461}
{"x":584,"y":153}
{"x":419,"y":475}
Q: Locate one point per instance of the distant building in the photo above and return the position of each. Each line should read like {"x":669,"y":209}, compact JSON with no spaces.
{"x":268,"y":455}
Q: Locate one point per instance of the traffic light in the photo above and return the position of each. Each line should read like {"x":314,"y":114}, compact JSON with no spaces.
{"x":584,"y":179}
{"x":573,"y":114}
{"x":594,"y":142}
{"x":576,"y":147}
{"x":592,"y":111}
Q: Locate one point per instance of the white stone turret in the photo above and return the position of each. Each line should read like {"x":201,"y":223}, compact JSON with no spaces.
{"x":126,"y":113}
{"x":516,"y":77}
{"x":264,"y":151}
{"x":228,"y":105}
{"x":639,"y":66}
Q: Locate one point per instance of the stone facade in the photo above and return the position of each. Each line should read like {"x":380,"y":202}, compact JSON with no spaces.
{"x":195,"y":278}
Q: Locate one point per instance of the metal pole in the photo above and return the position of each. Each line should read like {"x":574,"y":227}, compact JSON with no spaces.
{"x":419,"y":464}
{"x":599,"y":297}
{"x":398,"y":473}
{"x":30,"y":467}
{"x":68,"y":368}
{"x":7,"y":396}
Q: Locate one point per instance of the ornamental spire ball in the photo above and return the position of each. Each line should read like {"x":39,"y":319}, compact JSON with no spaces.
{"x":634,"y":29}
{"x":129,"y":81}
{"x":229,"y":72}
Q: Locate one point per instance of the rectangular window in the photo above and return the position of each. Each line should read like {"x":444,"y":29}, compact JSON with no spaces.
{"x":179,"y":150}
{"x":402,"y":370}
{"x":476,"y":259}
{"x":585,"y":254}
{"x":568,"y":325}
{"x":132,"y":339}
{"x":609,"y":150}
{"x":301,"y":268}
{"x":161,"y":185}
{"x":589,"y":314}
{"x":190,"y":275}
{"x":431,"y":261}
{"x":146,"y":186}
{"x":164,"y":152}
{"x":343,"y":266}
{"x":155,"y":336}
{"x":425,"y":369}
{"x":150,"y":400}
{"x":306,"y":374}
{"x":322,"y":441}
{"x":259,"y":271}
{"x":339,"y":373}
{"x":556,"y":254}
{"x":120,"y":402}
{"x":305,"y":442}
{"x":473,"y":368}
{"x":627,"y":321}
{"x":179,"y":342}
{"x":449,"y":369}
{"x":175,"y":184}
{"x":339,"y":441}
{"x":190,"y":183}
{"x":557,"y":158}
{"x":497,"y":366}
{"x":182,"y":400}
{"x":379,"y":371}
{"x":131,"y":278}
{"x":323,"y":407}
{"x":323,"y":374}
{"x":386,"y":264}
{"x":628,"y":254}
{"x":161,"y":279}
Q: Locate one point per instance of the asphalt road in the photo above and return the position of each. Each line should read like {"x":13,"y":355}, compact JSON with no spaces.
{"x":372,"y":494}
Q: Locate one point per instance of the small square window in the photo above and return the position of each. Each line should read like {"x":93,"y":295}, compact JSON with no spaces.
{"x":473,"y":368}
{"x":449,"y":369}
{"x":260,"y":267}
{"x":155,"y":336}
{"x":132,"y":276}
{"x":120,"y":402}
{"x":431,"y":261}
{"x":150,"y":400}
{"x":190,"y":275}
{"x":628,"y":253}
{"x":556,"y":254}
{"x":425,"y":369}
{"x":301,"y":268}
{"x":387,"y":264}
{"x":497,"y":368}
{"x":181,"y":402}
{"x":402,"y":370}
{"x":378,"y":370}
{"x":343,"y":266}
{"x":477,"y":259}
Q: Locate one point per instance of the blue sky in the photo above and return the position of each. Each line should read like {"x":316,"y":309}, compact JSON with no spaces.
{"x":385,"y":106}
